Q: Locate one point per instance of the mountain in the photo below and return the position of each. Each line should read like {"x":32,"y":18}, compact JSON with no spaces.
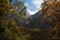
{"x":36,"y":21}
{"x":35,"y":16}
{"x":29,"y":18}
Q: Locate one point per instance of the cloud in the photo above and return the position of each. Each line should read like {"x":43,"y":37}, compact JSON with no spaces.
{"x":35,"y":8}
{"x":38,"y":3}
{"x":31,"y":12}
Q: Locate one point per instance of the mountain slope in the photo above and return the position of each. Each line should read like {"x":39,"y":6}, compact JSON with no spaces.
{"x":36,"y":21}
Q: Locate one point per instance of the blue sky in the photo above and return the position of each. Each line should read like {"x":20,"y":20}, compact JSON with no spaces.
{"x":30,"y":5}
{"x":33,"y":6}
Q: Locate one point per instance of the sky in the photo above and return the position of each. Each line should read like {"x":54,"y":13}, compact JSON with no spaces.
{"x":33,"y":6}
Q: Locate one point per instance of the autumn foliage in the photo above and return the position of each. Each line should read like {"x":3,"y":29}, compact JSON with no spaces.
{"x":51,"y":15}
{"x":9,"y":30}
{"x":51,"y":12}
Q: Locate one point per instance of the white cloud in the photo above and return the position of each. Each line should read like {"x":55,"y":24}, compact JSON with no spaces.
{"x":31,"y":12}
{"x":38,"y":3}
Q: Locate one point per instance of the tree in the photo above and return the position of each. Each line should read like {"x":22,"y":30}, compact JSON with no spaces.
{"x":51,"y":15}
{"x":8,"y":27}
{"x":5,"y":6}
{"x":19,"y":10}
{"x":49,"y":11}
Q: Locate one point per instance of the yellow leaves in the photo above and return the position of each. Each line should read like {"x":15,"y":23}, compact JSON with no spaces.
{"x":8,"y":30}
{"x":5,"y":6}
{"x":49,"y":14}
{"x":12,"y":22}
{"x":35,"y":29}
{"x":44,"y":16}
{"x":6,"y":23}
{"x":18,"y":38}
{"x":8,"y":5}
{"x":50,"y":19}
{"x":15,"y":12}
{"x":23,"y":37}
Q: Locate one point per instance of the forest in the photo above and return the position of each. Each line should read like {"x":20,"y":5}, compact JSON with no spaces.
{"x":13,"y":21}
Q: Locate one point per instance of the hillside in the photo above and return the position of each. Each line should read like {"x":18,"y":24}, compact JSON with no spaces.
{"x":36,"y":21}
